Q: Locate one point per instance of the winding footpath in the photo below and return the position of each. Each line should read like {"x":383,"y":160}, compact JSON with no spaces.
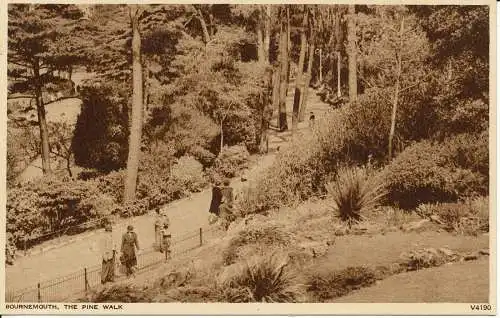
{"x":186,"y":216}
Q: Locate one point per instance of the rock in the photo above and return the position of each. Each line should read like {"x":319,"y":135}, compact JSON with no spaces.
{"x":436,"y":219}
{"x":470,"y":257}
{"x":484,"y":251}
{"x":447,"y":252}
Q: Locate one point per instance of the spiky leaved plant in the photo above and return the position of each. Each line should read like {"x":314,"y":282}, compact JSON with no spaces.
{"x":354,"y":193}
{"x":264,"y":279}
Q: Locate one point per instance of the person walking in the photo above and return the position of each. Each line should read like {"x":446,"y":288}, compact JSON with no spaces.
{"x":216,"y":199}
{"x":130,"y":243}
{"x":162,"y":222}
{"x":226,"y":207}
{"x":108,"y":250}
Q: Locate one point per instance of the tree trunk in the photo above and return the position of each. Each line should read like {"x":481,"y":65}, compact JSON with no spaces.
{"x":68,"y":166}
{"x":396,"y":92}
{"x":260,"y":44}
{"x":276,"y":88}
{"x":288,"y":49}
{"x":266,"y":114}
{"x":320,"y":66}
{"x":338,"y":48}
{"x":351,"y":34}
{"x":300,"y":69}
{"x":136,"y":121}
{"x":339,"y":65}
{"x":221,"y":136}
{"x":42,"y":121}
{"x":206,"y":35}
{"x":267,"y":32}
{"x":307,"y":80}
{"x":283,"y":125}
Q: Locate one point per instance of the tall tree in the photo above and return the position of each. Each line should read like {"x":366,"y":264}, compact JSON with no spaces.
{"x":300,"y":68}
{"x":283,"y":49}
{"x":338,"y":49}
{"x":33,"y":34}
{"x":267,"y":14}
{"x":352,"y":49}
{"x":308,"y":75}
{"x":137,"y":108}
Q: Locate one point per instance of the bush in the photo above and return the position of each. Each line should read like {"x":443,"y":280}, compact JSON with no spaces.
{"x":432,"y":172}
{"x":355,"y":193}
{"x":470,"y":217}
{"x":189,"y":173}
{"x":326,"y":286}
{"x":101,"y":134}
{"x":121,"y":294}
{"x":47,"y":205}
{"x":229,"y":161}
{"x":265,"y":279}
{"x":267,"y":236}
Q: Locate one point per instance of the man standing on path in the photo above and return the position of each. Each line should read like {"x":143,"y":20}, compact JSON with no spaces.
{"x":129,"y":243}
{"x":162,"y":223}
{"x":108,"y":250}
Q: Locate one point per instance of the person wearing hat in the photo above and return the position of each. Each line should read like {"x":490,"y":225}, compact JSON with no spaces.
{"x":129,"y":244}
{"x":216,"y":198}
{"x":108,"y":250}
{"x":226,"y":207}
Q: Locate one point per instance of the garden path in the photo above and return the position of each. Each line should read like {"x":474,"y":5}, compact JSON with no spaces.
{"x":186,"y":215}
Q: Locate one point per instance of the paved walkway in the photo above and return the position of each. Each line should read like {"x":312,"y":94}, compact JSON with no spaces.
{"x":186,"y":215}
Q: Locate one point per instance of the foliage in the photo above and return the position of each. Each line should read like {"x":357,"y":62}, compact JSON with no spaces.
{"x":264,"y":279}
{"x":469,"y":217}
{"x":101,"y":135}
{"x":355,"y":193}
{"x":229,"y":161}
{"x":189,"y":173}
{"x":48,"y":205}
{"x":425,"y":258}
{"x":120,"y":293}
{"x":438,"y":172}
{"x":267,"y":236}
{"x":325,"y":286}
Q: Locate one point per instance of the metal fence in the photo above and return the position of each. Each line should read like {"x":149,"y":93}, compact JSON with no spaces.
{"x":66,"y":287}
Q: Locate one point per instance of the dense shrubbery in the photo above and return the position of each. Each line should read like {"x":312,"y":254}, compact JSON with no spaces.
{"x":229,"y":161}
{"x":438,"y":172}
{"x":48,"y":205}
{"x":188,"y":172}
{"x":101,"y":135}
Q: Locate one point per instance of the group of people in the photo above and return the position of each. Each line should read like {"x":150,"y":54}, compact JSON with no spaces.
{"x":130,"y":247}
{"x":128,"y":257}
{"x":221,"y":205}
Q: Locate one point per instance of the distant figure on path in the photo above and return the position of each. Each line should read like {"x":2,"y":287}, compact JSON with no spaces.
{"x":108,"y":249}
{"x":226,"y":208}
{"x":312,"y":118}
{"x":216,"y":199}
{"x":129,"y":243}
{"x":162,"y":223}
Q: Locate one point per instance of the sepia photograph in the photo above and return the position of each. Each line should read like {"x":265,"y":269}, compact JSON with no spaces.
{"x":299,"y":153}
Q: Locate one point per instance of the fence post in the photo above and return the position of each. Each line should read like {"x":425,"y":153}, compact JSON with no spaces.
{"x":24,"y":247}
{"x":201,"y":236}
{"x":39,"y":294}
{"x":86,"y":279}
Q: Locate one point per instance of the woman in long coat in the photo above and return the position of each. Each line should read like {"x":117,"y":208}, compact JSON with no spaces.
{"x":129,"y":244}
{"x":108,"y":250}
{"x":216,"y":199}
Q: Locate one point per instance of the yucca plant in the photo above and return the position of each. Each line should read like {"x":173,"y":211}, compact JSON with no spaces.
{"x":355,"y":193}
{"x":265,"y":279}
